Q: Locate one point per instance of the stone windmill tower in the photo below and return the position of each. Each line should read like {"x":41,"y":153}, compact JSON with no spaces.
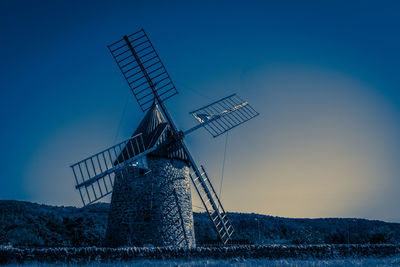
{"x":151,"y":202}
{"x":149,"y":174}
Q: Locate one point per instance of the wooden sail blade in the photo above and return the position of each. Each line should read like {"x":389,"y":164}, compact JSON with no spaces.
{"x":142,"y":68}
{"x":223,"y":115}
{"x":94,"y":176}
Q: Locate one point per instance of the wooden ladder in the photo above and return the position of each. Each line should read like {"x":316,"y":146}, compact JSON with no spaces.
{"x":213,"y":205}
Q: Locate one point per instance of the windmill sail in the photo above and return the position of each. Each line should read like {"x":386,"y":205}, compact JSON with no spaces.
{"x":223,"y":115}
{"x":142,"y":69}
{"x":94,"y":176}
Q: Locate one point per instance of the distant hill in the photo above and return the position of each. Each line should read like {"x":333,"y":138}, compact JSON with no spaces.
{"x":31,"y":224}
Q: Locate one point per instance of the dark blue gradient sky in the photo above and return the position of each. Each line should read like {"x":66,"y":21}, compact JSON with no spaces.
{"x":323,"y":74}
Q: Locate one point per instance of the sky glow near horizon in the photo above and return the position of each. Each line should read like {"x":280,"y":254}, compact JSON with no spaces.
{"x":323,"y":78}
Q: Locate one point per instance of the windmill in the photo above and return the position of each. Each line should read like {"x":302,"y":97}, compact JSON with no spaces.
{"x":149,"y":174}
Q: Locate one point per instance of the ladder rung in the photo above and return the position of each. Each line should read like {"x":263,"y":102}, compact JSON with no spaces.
{"x":206,"y":196}
{"x":230,"y":233}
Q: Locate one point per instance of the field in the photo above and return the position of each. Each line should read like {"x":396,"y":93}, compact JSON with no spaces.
{"x":388,"y":261}
{"x":271,"y":255}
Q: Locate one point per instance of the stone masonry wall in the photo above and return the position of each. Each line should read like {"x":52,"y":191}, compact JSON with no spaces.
{"x":152,"y":207}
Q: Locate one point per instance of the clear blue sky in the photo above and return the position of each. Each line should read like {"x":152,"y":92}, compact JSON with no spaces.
{"x":323,"y":74}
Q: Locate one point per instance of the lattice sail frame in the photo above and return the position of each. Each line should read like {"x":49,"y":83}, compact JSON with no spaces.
{"x":134,"y":52}
{"x":94,"y":176}
{"x":224,"y":114}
